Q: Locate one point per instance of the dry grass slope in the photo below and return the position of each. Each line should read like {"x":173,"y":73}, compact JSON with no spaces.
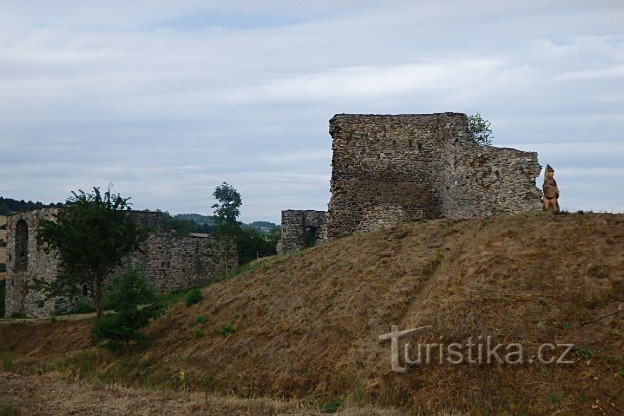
{"x":305,"y":326}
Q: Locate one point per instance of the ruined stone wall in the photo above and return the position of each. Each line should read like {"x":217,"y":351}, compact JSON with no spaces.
{"x":168,"y":262}
{"x":389,"y":169}
{"x":294,"y":225}
{"x":39,"y":264}
{"x":172,"y":262}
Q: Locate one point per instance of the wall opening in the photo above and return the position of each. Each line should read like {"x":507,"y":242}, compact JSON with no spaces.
{"x":21,"y":246}
{"x":310,"y":236}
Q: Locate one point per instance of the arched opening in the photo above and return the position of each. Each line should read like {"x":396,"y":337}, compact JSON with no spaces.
{"x":21,"y":246}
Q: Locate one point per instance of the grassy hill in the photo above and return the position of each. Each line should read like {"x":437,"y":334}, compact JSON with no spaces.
{"x":305,"y":325}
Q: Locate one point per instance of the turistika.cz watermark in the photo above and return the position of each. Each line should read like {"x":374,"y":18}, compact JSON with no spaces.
{"x":475,"y":350}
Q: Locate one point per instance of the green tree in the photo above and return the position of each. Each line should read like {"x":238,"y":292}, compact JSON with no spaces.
{"x":133,"y":302}
{"x":227,"y":209}
{"x":480,"y":130}
{"x":90,"y":235}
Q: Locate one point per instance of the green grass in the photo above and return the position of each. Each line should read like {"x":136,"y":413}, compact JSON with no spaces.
{"x":226,"y":329}
{"x":9,"y":410}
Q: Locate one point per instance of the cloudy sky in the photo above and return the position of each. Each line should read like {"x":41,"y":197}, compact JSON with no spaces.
{"x":168,"y":99}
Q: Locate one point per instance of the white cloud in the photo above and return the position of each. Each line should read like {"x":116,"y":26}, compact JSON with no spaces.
{"x":168,"y":100}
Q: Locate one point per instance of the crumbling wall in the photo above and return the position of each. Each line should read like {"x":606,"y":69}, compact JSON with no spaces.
{"x":171,"y":262}
{"x":168,"y":262}
{"x":300,"y":229}
{"x":20,"y":298}
{"x":389,"y":169}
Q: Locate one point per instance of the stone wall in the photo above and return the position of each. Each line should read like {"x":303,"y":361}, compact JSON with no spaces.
{"x":300,"y":229}
{"x":168,"y":262}
{"x":39,"y":264}
{"x":389,"y":169}
{"x":172,"y":262}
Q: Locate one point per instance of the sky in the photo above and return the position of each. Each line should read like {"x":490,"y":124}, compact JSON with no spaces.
{"x":166,"y":100}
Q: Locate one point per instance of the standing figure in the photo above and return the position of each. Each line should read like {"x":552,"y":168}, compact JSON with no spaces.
{"x":551,"y":192}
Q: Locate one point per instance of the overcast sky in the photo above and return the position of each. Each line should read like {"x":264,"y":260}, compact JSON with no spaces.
{"x":168,"y":99}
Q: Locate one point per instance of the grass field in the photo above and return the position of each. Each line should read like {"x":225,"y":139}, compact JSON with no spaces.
{"x":303,"y":328}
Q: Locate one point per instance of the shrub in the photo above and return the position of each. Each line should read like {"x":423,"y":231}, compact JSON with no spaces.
{"x":200,"y":319}
{"x":193,"y":297}
{"x":226,"y":329}
{"x":2,"y":267}
{"x":82,"y":306}
{"x":127,"y":293}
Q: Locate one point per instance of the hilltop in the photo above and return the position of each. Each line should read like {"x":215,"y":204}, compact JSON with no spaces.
{"x":305,"y":325}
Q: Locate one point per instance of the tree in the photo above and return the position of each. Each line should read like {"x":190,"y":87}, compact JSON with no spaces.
{"x":227,"y":209}
{"x":133,"y":302}
{"x":480,"y":130}
{"x":91,"y":235}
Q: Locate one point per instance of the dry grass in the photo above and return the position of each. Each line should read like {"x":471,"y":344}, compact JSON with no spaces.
{"x":49,"y":396}
{"x":306,"y":325}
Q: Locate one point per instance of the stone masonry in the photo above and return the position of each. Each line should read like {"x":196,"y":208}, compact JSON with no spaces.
{"x":389,"y":169}
{"x":301,"y":229}
{"x":168,"y":261}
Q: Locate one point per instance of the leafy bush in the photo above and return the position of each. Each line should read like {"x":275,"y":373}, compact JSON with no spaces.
{"x":480,"y":129}
{"x":82,"y":306}
{"x":193,"y":297}
{"x":226,"y":329}
{"x":201,"y":319}
{"x":127,"y":293}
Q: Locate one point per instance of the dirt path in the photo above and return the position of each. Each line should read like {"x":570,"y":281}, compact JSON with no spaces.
{"x":50,"y":396}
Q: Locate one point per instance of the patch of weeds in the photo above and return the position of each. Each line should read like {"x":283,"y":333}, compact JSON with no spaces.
{"x":606,"y":358}
{"x":620,"y":371}
{"x":400,"y":235}
{"x":332,"y":407}
{"x":567,"y":325}
{"x":198,"y":333}
{"x":18,"y":315}
{"x":430,"y":268}
{"x":52,"y":319}
{"x":7,"y":363}
{"x":562,"y":212}
{"x":360,"y":393}
{"x":584,"y":352}
{"x":9,"y":410}
{"x":226,"y":329}
{"x":193,"y":297}
{"x":554,"y":399}
{"x":201,"y":319}
{"x":329,"y":300}
{"x":597,"y":271}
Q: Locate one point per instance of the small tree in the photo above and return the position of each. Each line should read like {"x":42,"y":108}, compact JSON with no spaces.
{"x":227,"y":209}
{"x":126,"y":293}
{"x":90,"y":235}
{"x":480,"y":130}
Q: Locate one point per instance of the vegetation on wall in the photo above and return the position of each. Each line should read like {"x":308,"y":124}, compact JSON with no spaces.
{"x":91,"y":236}
{"x":480,"y":129}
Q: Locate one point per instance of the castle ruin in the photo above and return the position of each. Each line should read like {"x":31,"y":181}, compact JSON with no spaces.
{"x":390,"y":169}
{"x":167,"y":261}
